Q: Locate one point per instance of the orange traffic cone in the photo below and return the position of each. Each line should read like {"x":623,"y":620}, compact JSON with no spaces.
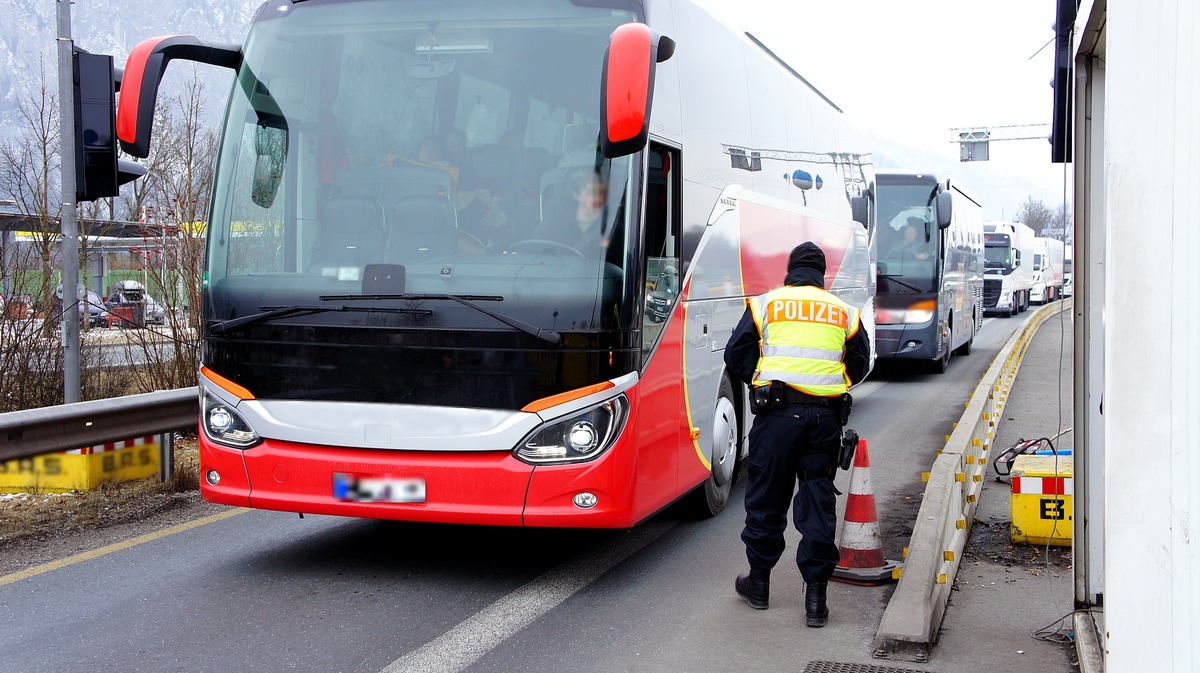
{"x":862,"y":559}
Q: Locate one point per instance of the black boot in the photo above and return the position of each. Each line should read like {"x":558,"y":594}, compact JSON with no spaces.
{"x":816,"y":612}
{"x":755,"y":587}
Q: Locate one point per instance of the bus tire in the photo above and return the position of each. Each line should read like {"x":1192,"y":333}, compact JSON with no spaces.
{"x":942,"y":363}
{"x":708,"y":499}
{"x":965,"y":348}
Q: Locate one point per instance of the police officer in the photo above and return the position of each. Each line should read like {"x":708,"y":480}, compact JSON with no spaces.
{"x":799,"y":348}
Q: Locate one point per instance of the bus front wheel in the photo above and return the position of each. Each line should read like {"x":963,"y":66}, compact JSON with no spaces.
{"x":940,"y":365}
{"x":711,"y":497}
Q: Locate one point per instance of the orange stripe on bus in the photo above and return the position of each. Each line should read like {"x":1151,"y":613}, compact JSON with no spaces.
{"x":225,"y":384}
{"x":562,"y":398}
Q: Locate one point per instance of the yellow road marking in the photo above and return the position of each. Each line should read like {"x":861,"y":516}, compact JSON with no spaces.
{"x":115,"y":547}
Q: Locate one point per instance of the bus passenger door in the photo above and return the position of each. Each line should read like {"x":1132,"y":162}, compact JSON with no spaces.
{"x":662,"y":332}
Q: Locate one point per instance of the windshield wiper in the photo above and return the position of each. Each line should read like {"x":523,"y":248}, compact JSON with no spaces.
{"x":270,"y":312}
{"x":895,"y":278}
{"x":468,"y":300}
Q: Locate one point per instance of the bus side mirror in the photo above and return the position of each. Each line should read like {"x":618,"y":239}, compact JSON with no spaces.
{"x":1016,"y":258}
{"x":270,"y":155}
{"x":860,"y":208}
{"x":627,"y":87}
{"x":144,"y":70}
{"x":945,"y":202}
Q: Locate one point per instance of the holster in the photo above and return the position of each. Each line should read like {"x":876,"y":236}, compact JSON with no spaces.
{"x":846,"y":451}
{"x":847,"y":403}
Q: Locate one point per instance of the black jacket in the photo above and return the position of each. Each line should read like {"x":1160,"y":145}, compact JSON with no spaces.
{"x":742,"y":352}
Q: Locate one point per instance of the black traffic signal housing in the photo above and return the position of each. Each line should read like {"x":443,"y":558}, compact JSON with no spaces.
{"x":98,"y":172}
{"x":1060,"y":127}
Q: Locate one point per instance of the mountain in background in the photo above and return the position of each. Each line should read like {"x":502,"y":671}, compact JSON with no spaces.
{"x":28,"y":31}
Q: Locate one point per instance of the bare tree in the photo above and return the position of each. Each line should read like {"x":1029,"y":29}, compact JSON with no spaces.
{"x":1036,"y":215}
{"x":1064,"y":221}
{"x":30,"y":173}
{"x":181,"y":167}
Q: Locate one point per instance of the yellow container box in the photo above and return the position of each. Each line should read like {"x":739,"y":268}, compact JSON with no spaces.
{"x":1042,"y":494}
{"x":82,"y":469}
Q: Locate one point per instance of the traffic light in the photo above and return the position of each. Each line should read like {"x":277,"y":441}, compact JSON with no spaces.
{"x":1060,"y":127}
{"x":98,"y":171}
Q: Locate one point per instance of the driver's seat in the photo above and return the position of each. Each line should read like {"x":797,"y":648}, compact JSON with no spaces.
{"x":422,"y":227}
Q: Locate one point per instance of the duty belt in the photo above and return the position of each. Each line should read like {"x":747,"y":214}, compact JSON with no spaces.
{"x":794,"y":397}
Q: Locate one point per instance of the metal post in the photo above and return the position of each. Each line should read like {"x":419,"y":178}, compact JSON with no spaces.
{"x":7,"y":243}
{"x":166,"y":457}
{"x":69,"y":217}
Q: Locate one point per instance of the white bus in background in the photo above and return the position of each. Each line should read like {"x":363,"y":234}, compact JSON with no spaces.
{"x":1008,"y":267}
{"x":391,"y":331}
{"x":1047,"y":270}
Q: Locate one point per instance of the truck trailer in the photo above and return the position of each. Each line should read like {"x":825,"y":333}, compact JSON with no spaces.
{"x":1008,"y":267}
{"x":1047,"y":270}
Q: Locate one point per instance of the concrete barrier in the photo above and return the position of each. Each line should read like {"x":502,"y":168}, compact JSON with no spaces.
{"x":911,"y":621}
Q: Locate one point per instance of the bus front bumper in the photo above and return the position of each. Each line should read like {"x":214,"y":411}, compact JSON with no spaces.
{"x":490,"y":488}
{"x":906,"y":342}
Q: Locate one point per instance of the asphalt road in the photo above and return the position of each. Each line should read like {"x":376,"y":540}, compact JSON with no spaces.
{"x":266,"y":591}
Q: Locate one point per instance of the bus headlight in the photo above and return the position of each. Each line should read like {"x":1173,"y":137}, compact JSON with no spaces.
{"x":918,"y":312}
{"x":224,"y":425}
{"x":576,"y":438}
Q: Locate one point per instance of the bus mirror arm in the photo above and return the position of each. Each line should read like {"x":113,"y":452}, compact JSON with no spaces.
{"x":143,"y":72}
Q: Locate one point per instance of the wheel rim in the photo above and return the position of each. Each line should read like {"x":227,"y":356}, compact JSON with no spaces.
{"x":724,"y":442}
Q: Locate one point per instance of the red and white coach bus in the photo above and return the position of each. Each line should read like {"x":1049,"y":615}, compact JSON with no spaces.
{"x":477,"y":262}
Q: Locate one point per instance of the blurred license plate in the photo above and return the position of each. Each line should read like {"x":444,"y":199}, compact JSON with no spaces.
{"x":364,"y":488}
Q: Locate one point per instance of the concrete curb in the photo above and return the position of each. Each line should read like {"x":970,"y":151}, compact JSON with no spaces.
{"x":913,"y":617}
{"x":1087,"y":643}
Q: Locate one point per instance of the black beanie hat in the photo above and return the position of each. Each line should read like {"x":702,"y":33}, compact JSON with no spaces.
{"x":807,"y":254}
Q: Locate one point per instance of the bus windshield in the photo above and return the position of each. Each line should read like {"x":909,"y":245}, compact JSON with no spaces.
{"x":908,"y":238}
{"x":379,"y":157}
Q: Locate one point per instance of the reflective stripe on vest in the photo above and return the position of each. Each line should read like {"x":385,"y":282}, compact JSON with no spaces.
{"x":804,"y":332}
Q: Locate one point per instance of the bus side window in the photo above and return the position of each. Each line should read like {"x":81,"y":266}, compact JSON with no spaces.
{"x":662,"y":241}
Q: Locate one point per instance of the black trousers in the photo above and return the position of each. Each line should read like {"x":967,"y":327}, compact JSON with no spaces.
{"x":795,"y":444}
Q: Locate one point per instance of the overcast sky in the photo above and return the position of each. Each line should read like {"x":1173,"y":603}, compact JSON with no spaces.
{"x":909,"y":71}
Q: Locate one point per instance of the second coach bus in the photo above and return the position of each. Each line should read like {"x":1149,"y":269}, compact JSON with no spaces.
{"x":930,"y":291}
{"x":477,"y":262}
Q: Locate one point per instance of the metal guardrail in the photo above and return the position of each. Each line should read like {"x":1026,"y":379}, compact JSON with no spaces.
{"x":33,"y":432}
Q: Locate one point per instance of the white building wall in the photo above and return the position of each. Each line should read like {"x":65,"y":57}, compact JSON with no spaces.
{"x":1152,"y":333}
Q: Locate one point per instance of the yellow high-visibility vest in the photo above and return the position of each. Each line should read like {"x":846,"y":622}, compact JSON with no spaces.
{"x":803,"y":333}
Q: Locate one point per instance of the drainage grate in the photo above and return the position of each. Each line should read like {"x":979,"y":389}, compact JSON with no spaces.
{"x":836,"y":667}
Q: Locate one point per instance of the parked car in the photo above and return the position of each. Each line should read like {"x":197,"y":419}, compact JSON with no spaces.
{"x":156,"y":313}
{"x":92,"y":309}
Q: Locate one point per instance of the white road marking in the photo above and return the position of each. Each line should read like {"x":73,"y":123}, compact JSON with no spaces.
{"x":482,"y":632}
{"x":864,"y":389}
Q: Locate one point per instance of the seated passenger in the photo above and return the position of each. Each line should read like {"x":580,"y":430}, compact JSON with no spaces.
{"x":912,"y":246}
{"x":580,"y":222}
{"x":482,"y":215}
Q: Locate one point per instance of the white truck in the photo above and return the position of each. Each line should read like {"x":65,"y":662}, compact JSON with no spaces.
{"x":1069,"y":271}
{"x":1047,"y":270}
{"x":1008,"y":267}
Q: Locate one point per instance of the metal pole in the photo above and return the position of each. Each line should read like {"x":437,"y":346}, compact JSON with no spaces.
{"x":6,"y":244}
{"x":166,"y":457}
{"x":69,"y":217}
